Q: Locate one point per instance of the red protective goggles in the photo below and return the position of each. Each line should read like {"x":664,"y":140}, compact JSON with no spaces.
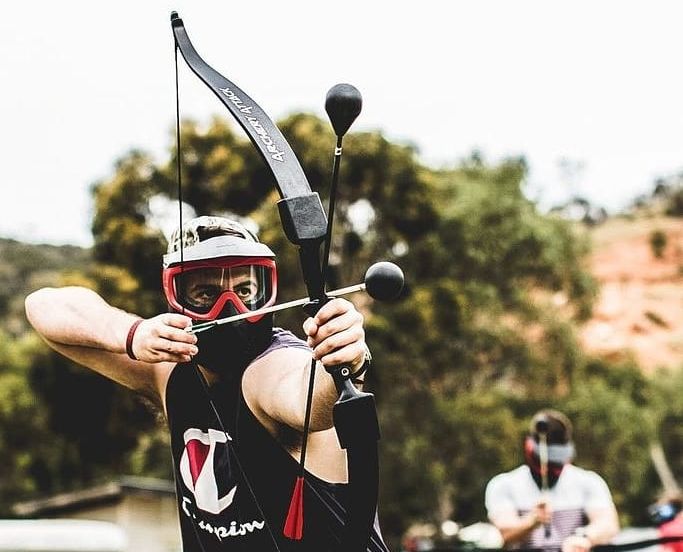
{"x":202,"y":289}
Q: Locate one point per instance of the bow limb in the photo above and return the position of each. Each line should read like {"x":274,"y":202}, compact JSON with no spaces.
{"x":301,"y":211}
{"x":263,"y":133}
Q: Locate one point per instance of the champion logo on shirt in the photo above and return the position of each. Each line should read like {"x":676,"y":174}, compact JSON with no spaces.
{"x":205,"y":455}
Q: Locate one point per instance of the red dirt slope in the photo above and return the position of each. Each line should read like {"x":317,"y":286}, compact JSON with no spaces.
{"x":640,"y":308}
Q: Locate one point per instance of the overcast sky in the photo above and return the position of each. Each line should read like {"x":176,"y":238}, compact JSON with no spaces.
{"x":599,"y":84}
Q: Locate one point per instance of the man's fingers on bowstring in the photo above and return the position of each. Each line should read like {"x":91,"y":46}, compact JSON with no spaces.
{"x":163,"y":339}
{"x":161,"y":324}
{"x":169,"y":327}
{"x":176,"y":320}
{"x":173,"y":329}
{"x":173,"y":351}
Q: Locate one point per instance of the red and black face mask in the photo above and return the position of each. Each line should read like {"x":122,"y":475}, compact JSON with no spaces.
{"x":216,"y":268}
{"x":558,"y":456}
{"x":215,"y":288}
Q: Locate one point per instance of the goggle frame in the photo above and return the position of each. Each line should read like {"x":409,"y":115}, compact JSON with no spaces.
{"x":169,"y":275}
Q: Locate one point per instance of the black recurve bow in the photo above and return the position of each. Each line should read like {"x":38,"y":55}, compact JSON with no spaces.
{"x":305,"y":225}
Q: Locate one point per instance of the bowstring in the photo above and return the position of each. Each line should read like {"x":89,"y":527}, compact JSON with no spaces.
{"x":229,"y":443}
{"x":179,"y":173}
{"x":179,"y":177}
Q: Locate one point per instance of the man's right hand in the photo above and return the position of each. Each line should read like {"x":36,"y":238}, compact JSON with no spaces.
{"x":542,"y":513}
{"x":78,"y":323}
{"x":163,"y":339}
{"x":515,"y":528}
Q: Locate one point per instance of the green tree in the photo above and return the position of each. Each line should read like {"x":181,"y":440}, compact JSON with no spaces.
{"x":658,"y":243}
{"x":483,"y":335}
{"x":668,"y":408}
{"x":611,"y":408}
{"x":483,"y":268}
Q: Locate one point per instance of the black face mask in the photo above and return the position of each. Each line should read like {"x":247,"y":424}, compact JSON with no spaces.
{"x":228,"y":349}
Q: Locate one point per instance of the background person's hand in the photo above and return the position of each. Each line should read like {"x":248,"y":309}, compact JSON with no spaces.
{"x":543,"y":513}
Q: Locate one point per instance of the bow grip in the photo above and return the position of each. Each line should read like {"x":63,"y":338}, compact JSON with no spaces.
{"x":354,"y":413}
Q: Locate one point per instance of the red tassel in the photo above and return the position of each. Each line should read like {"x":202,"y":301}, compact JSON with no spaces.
{"x":294,"y":524}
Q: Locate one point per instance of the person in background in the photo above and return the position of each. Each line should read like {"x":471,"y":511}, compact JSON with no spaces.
{"x":567,"y":508}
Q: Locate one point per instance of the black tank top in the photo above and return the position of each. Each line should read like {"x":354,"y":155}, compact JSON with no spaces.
{"x":214,"y":477}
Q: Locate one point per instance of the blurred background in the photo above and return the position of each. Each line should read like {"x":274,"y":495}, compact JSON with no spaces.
{"x":522,"y":163}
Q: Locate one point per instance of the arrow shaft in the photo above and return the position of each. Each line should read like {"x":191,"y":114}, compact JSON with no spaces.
{"x":197,"y":328}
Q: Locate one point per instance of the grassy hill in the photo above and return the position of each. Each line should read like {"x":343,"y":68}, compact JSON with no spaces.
{"x":26,"y":267}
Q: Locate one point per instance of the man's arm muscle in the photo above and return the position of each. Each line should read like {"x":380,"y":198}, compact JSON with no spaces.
{"x":79,"y":324}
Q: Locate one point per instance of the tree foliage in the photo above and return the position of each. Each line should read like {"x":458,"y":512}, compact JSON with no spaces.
{"x":25,"y":267}
{"x":483,"y":335}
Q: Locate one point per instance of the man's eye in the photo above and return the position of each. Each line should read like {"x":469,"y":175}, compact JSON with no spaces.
{"x":245,"y":291}
{"x":210,"y":291}
{"x":206,"y":293}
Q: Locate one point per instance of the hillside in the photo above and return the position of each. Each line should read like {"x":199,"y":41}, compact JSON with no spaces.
{"x":26,"y":267}
{"x":640,"y":308}
{"x":638,"y":313}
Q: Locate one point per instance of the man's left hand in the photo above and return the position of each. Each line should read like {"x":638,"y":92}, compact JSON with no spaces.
{"x":336,"y":334}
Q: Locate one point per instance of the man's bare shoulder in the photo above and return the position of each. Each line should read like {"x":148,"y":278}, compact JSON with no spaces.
{"x":278,"y":363}
{"x":273,"y":381}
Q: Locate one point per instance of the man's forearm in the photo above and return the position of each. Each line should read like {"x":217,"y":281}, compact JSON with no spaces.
{"x":602,"y":526}
{"x":519,"y":531}
{"x":78,"y":316}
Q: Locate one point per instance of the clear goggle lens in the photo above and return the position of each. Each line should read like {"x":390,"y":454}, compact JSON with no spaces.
{"x":250,"y":287}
